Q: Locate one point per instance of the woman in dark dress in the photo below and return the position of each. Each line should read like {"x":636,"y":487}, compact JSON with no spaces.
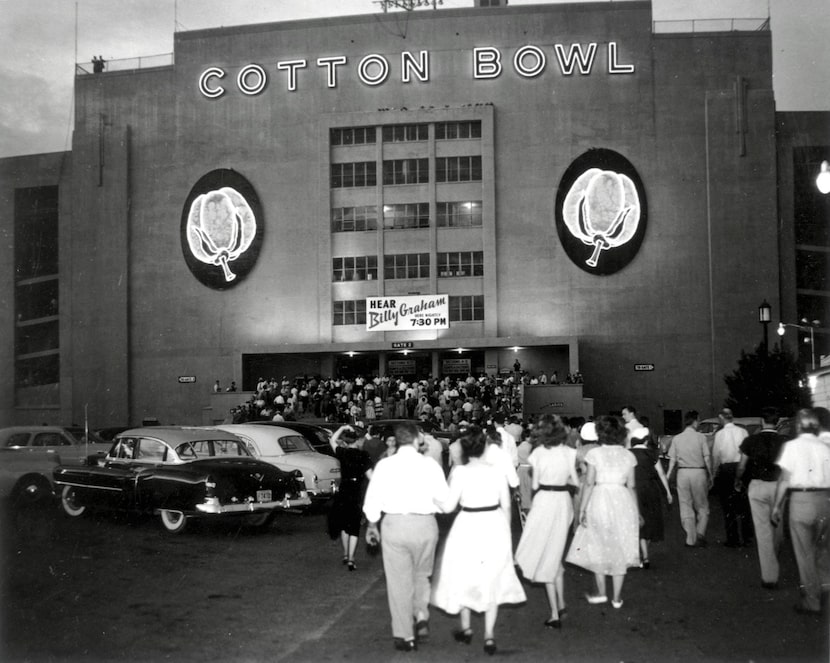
{"x":346,"y":512}
{"x":651,"y":482}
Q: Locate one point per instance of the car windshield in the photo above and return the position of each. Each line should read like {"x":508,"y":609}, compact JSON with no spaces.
{"x":211,"y":449}
{"x":294,"y":443}
{"x":79,"y":435}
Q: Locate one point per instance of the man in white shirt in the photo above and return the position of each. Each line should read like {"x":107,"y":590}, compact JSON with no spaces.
{"x":805,"y":475}
{"x":508,"y":442}
{"x":726,"y":454}
{"x":406,"y":489}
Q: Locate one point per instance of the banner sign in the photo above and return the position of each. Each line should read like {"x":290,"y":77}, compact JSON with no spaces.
{"x":643,"y":367}
{"x":407,"y":313}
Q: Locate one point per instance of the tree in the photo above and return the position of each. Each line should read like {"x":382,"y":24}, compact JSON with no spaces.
{"x":774,"y":378}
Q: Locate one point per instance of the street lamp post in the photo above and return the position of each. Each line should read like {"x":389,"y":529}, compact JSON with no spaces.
{"x":809,"y":325}
{"x":764,"y":314}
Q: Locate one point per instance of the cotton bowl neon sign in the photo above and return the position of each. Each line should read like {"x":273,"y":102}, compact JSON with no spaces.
{"x":221,"y":229}
{"x":601,"y":212}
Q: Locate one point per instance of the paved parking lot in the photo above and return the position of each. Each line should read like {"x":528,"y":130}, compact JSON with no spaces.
{"x":106,"y":589}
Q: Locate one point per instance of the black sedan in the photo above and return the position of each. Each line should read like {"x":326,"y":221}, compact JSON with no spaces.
{"x":181,"y":473}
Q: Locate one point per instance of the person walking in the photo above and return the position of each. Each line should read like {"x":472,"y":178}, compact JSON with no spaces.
{"x":758,"y":472}
{"x":690,"y":454}
{"x":652,"y":484}
{"x":805,"y":477}
{"x":476,"y":572}
{"x":542,"y":545}
{"x":726,"y":454}
{"x":606,"y":538}
{"x":345,"y":515}
{"x":406,"y":489}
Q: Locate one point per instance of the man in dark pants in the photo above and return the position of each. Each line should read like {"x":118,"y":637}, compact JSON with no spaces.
{"x":726,"y":455}
{"x":407,"y":489}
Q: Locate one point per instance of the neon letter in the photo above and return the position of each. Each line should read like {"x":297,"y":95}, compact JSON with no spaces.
{"x":533,"y":52}
{"x":409,"y":65}
{"x":331,"y":68}
{"x":486,"y":62}
{"x":613,"y":66}
{"x":242,"y":79}
{"x":376,"y":62}
{"x":292,"y":66}
{"x":204,"y":80}
{"x":576,"y":56}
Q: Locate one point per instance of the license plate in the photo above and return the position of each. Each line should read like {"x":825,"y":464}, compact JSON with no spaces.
{"x":263,"y":496}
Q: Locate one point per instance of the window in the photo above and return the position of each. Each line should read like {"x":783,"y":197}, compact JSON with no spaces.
{"x":401,"y":133}
{"x":406,"y":171}
{"x":465,"y":214}
{"x":406,"y":266}
{"x":359,"y":268}
{"x":349,"y":312}
{"x":354,"y":219}
{"x":50,"y":440}
{"x":292,"y":443}
{"x":154,"y":450}
{"x":466,"y":307}
{"x":458,"y":130}
{"x":352,"y":136}
{"x":458,"y":169}
{"x":461,"y":263}
{"x":346,"y":175}
{"x":38,"y":370}
{"x":406,"y":215}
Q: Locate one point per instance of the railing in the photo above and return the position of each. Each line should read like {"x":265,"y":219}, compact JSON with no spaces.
{"x":125,"y":64}
{"x":712,"y":25}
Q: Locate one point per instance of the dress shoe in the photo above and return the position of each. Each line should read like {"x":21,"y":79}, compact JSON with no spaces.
{"x":422,"y":629}
{"x":769,"y":585}
{"x":617,"y":604}
{"x":701,"y":541}
{"x":553,"y":623}
{"x":595,"y":599}
{"x":405,"y":645}
{"x":563,"y":612}
{"x":802,"y":609}
{"x":350,"y":565}
{"x":465,"y":635}
{"x":489,"y":646}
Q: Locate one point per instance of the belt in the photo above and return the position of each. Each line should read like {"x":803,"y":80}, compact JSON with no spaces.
{"x":556,"y":488}
{"x":810,"y":490}
{"x":476,"y":509}
{"x":691,"y":468}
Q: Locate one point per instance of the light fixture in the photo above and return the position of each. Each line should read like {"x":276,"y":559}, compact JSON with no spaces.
{"x":405,"y":352}
{"x":350,"y":353}
{"x":764,"y":312}
{"x":823,"y":178}
{"x":807,"y":325}
{"x":459,"y":350}
{"x":516,"y":348}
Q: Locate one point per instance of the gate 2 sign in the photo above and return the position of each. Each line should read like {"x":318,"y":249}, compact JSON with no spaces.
{"x":601,"y":212}
{"x":221,"y":229}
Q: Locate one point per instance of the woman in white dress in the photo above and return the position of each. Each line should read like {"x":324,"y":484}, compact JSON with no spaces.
{"x":476,"y":571}
{"x":607,"y":539}
{"x":542,"y":546}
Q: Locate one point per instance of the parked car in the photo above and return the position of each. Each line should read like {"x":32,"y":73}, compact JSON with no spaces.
{"x":318,"y":436}
{"x":290,"y":450}
{"x":74,"y":444}
{"x":388,"y":426}
{"x":26,"y":478}
{"x":179,"y":473}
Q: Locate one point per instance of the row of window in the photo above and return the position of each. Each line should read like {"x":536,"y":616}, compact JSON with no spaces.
{"x":463,"y":308}
{"x":404,"y":133}
{"x":408,"y":266}
{"x":460,"y":214}
{"x":405,"y":171}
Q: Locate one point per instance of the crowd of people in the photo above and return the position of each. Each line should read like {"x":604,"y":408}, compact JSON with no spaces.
{"x":446,"y":402}
{"x":597,"y":492}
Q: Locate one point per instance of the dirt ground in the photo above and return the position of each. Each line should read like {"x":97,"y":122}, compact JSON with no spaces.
{"x":105,"y":588}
